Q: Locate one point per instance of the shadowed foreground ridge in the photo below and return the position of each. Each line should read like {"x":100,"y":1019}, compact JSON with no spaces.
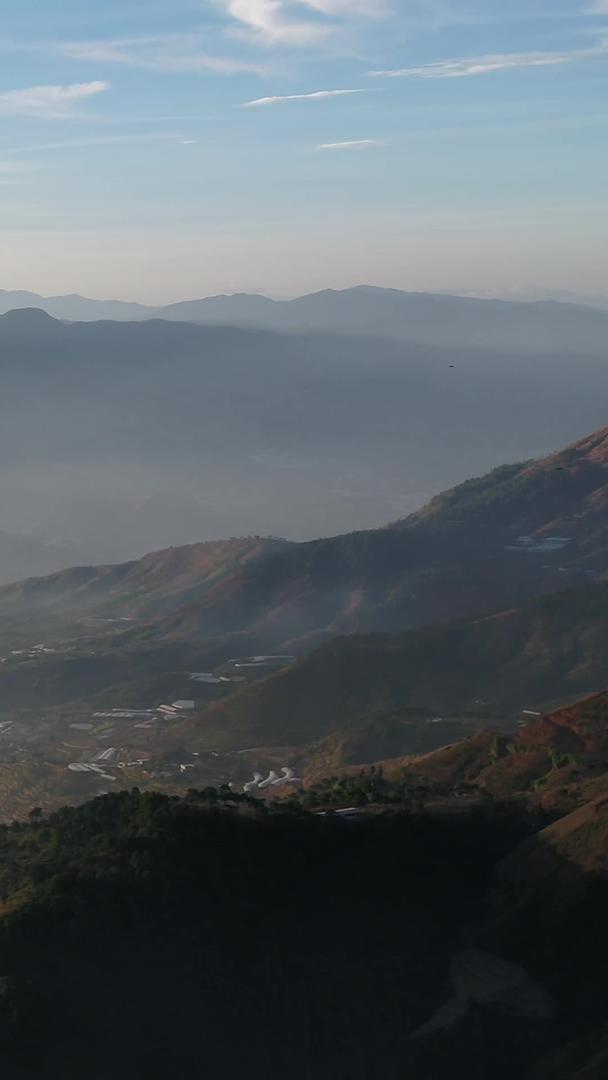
{"x":226,"y":933}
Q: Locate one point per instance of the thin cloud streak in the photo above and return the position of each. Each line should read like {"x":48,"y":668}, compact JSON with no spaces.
{"x":53,"y":102}
{"x":163,"y":52}
{"x":353,"y":144}
{"x":485,"y":65}
{"x":317,"y":95}
{"x":94,"y":140}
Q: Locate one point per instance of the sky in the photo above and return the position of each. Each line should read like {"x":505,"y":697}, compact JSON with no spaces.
{"x":157,"y":151}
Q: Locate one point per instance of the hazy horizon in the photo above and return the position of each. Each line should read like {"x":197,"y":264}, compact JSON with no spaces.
{"x":516,"y":293}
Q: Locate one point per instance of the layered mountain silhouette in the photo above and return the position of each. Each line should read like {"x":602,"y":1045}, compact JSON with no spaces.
{"x":432,"y":319}
{"x":221,"y":431}
{"x":425,"y":318}
{"x":73,"y":308}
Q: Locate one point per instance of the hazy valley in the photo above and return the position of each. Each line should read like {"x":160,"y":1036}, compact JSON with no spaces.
{"x":121,"y":438}
{"x":488,"y":601}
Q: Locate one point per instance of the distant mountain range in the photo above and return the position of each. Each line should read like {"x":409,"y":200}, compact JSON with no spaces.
{"x":423,"y":318}
{"x":74,"y":308}
{"x":534,"y":295}
{"x":124,"y":437}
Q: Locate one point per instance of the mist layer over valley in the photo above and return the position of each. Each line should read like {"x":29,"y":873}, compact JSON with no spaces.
{"x":350,"y":411}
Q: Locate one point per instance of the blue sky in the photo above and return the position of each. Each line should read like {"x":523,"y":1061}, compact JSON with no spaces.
{"x":156,"y":150}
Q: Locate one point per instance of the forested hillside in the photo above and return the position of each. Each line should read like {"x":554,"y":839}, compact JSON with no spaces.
{"x":190,"y":910}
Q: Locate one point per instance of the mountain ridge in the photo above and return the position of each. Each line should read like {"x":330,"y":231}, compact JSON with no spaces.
{"x":548,"y":651}
{"x":385,"y":312}
{"x":463,"y":554}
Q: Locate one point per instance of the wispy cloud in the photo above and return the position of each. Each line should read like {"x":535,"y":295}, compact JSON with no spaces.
{"x":94,"y":140}
{"x":317,"y":95}
{"x":267,"y":21}
{"x":278,"y":22}
{"x":485,"y":65}
{"x":56,"y":102}
{"x":599,"y":8}
{"x":161,"y":52}
{"x":353,"y":144}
